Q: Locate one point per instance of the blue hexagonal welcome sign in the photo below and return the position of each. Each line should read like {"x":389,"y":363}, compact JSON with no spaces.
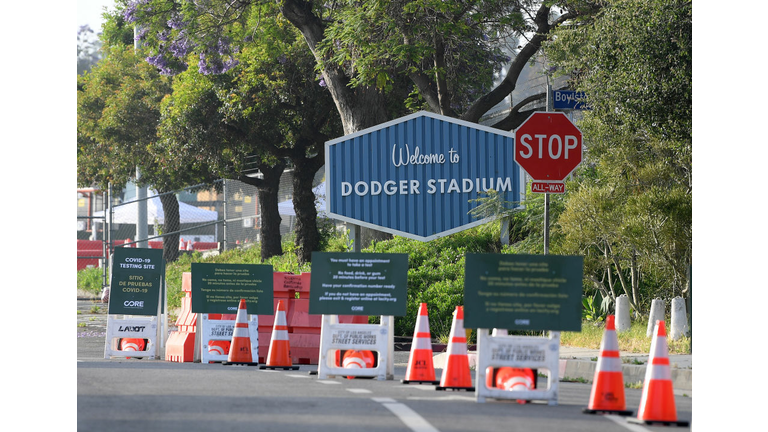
{"x":418,"y":176}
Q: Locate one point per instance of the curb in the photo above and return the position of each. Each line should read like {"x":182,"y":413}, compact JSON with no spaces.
{"x":581,"y":369}
{"x":681,"y":378}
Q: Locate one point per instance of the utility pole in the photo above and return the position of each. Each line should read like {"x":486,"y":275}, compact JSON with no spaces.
{"x":141,"y":194}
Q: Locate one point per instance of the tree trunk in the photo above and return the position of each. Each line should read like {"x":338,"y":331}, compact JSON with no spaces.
{"x":634,"y":272}
{"x":505,"y":88}
{"x":360,"y":107}
{"x":267,"y":189}
{"x":307,"y":236}
{"x":171,"y":225}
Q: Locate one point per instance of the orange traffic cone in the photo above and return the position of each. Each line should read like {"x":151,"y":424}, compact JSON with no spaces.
{"x":456,"y":374}
{"x":240,"y":348}
{"x":131,"y":344}
{"x":357,"y":360}
{"x":420,"y":367}
{"x":657,"y":403}
{"x":608,"y":384}
{"x":218,"y":347}
{"x":279,"y":355}
{"x":515,"y":379}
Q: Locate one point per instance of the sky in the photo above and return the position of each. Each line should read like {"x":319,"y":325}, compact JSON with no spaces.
{"x":89,"y":12}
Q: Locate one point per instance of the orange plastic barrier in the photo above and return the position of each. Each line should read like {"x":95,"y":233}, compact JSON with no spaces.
{"x":198,"y":246}
{"x":303,"y":328}
{"x":180,"y":346}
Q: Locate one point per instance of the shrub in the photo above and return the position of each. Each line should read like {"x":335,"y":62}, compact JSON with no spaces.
{"x":436,"y":274}
{"x":435,"y":271}
{"x":90,"y":280}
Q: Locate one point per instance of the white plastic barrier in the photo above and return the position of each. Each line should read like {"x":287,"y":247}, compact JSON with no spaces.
{"x":657,"y":314}
{"x":371,"y":337}
{"x":623,"y":322}
{"x":209,"y":330}
{"x":138,"y":327}
{"x":679,"y":326}
{"x":520,"y":352}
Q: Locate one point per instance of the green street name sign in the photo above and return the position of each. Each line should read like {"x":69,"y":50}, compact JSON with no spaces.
{"x":218,"y":288}
{"x":347,"y":283}
{"x":523,"y":292}
{"x":136,"y":281}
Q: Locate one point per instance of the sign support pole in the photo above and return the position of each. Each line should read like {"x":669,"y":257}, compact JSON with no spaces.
{"x":355,"y":234}
{"x":546,"y":224}
{"x":550,"y":104}
{"x":554,"y":335}
{"x":505,"y":231}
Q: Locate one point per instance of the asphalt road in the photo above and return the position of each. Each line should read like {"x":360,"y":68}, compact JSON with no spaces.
{"x":155,"y":395}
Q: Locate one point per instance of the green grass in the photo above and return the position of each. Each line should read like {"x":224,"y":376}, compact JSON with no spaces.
{"x":579,"y":380}
{"x":633,"y":340}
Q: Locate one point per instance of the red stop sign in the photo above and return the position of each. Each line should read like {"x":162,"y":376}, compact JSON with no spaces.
{"x":548,"y":146}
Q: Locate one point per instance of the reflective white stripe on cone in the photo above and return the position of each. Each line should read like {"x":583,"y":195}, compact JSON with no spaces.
{"x":240,"y":348}
{"x":607,"y":395}
{"x":657,"y":403}
{"x":456,"y":374}
{"x":279,"y":355}
{"x":420,"y":365}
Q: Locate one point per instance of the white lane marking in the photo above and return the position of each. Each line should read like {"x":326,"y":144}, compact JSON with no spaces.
{"x":358,"y":390}
{"x":328,"y":382}
{"x":429,"y":388}
{"x":408,"y":416}
{"x":297,"y":376}
{"x":623,"y":422}
{"x":437,"y":398}
{"x":383,"y":400}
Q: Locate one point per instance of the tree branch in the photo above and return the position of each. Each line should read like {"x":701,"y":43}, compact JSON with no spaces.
{"x":508,"y":85}
{"x":516,"y":117}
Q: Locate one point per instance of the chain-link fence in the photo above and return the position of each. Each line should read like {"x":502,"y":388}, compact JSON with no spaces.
{"x":220,"y":216}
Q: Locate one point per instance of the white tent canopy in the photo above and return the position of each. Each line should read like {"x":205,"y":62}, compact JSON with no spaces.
{"x":127,"y":213}
{"x":286,"y":207}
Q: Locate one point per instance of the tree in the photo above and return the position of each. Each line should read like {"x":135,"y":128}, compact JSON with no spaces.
{"x":630,"y":213}
{"x":276,"y":64}
{"x":268,"y":108}
{"x":195,"y":131}
{"x":364,"y":50}
{"x":117,"y":115}
{"x":449,"y":50}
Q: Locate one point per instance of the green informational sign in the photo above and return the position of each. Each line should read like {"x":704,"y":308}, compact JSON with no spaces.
{"x":346,"y":283}
{"x":136,"y":284}
{"x":218,"y":288}
{"x":523,"y":292}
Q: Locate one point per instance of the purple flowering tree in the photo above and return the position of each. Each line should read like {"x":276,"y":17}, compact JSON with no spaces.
{"x":266,"y":111}
{"x":449,"y":51}
{"x":262,"y":104}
